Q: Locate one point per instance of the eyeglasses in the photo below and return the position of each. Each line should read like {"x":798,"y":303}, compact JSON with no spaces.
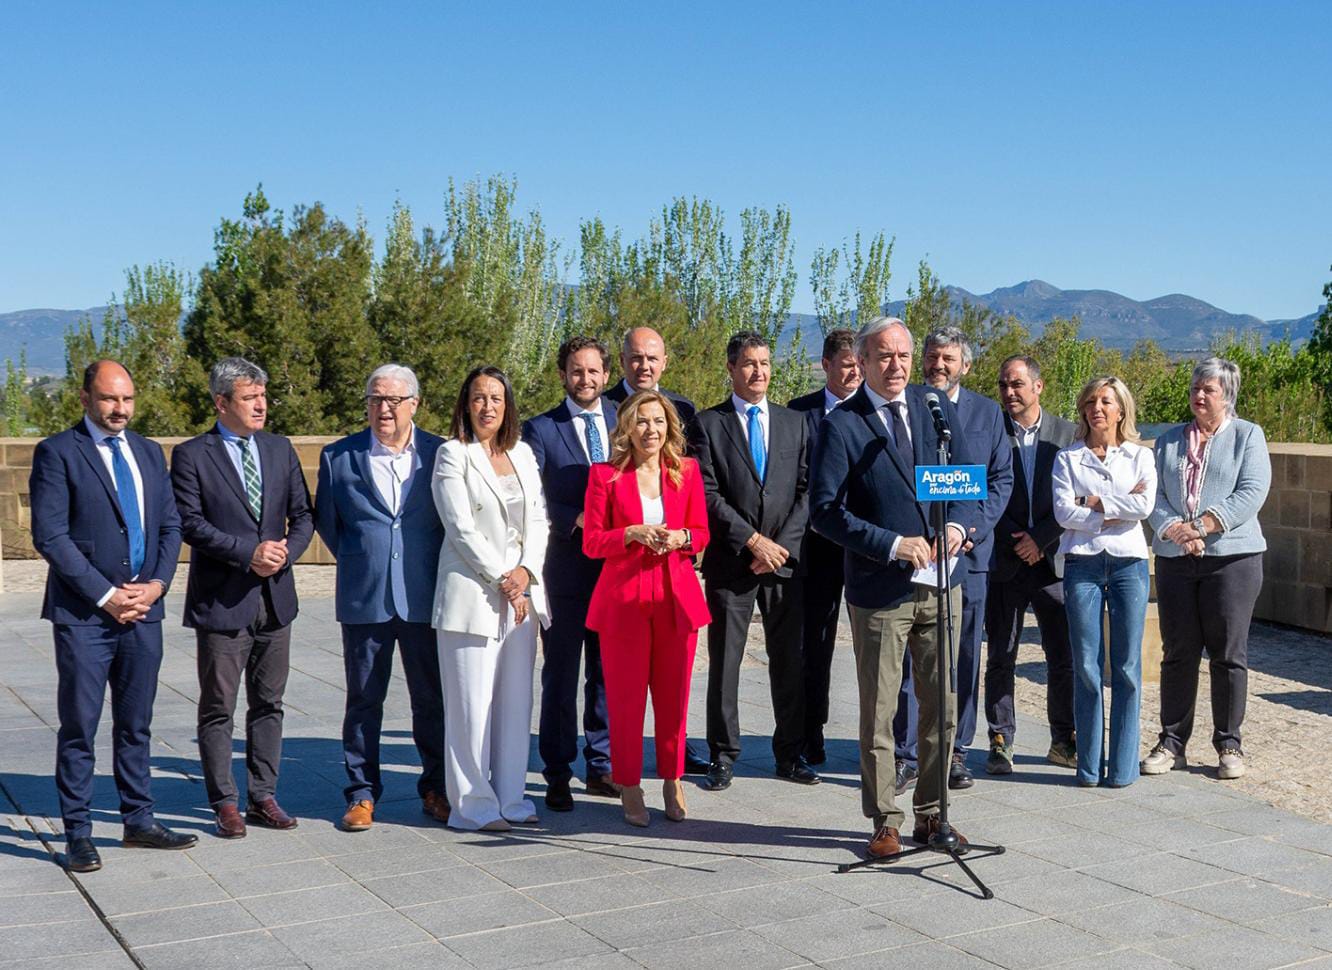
{"x":375,"y":400}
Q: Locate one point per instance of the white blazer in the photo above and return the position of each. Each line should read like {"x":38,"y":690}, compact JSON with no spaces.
{"x":471,"y":560}
{"x":1078,"y":472}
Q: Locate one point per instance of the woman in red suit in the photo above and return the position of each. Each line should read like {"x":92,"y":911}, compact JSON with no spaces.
{"x":644,"y":514}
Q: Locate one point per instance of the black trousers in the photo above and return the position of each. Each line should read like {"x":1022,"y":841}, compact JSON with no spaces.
{"x":1005,"y":609}
{"x":568,"y":646}
{"x":780,"y":603}
{"x":1205,"y":603}
{"x":259,"y":654}
{"x":822,"y":583}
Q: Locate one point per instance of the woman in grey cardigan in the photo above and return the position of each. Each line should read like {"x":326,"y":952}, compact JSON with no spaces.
{"x":1212,"y":478}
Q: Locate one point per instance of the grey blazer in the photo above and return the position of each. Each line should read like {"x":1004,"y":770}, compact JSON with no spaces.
{"x":1237,"y":472}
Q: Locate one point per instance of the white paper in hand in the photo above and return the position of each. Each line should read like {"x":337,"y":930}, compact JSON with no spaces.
{"x":929,"y":575}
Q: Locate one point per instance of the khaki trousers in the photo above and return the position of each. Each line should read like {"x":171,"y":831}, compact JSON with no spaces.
{"x":880,"y":638}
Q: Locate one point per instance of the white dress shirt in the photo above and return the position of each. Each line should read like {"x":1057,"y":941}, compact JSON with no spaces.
{"x":831,"y":400}
{"x":742,"y":412}
{"x":881,"y":409}
{"x":1027,"y":439}
{"x":235,"y":446}
{"x":389,"y":469}
{"x":1078,"y":473}
{"x":580,"y":425}
{"x":99,"y":437}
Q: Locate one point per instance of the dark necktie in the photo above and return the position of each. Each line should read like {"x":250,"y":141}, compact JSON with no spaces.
{"x":254,"y":494}
{"x":129,"y":505}
{"x":900,"y":437}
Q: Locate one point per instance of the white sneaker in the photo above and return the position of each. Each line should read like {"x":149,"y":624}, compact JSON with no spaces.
{"x":1161,"y":760}
{"x":1231,"y":766}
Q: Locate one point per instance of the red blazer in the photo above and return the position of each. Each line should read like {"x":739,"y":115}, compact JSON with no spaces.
{"x":610,"y":506}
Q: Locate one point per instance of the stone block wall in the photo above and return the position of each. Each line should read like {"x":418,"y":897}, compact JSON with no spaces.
{"x":1297,"y":521}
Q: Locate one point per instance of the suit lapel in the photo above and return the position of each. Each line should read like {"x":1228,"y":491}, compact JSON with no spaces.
{"x":222,"y":461}
{"x":731,"y":425}
{"x":672,"y":502}
{"x":88,"y":448}
{"x":476,"y":454}
{"x":360,"y":457}
{"x":143,"y":456}
{"x":270,"y":454}
{"x":569,"y":430}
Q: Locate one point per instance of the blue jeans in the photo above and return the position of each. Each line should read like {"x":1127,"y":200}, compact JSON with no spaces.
{"x":1093,"y":584}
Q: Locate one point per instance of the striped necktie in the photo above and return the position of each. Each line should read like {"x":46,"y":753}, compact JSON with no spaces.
{"x":254,"y":494}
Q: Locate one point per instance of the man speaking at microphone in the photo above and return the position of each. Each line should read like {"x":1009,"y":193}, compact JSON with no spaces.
{"x":863,"y":497}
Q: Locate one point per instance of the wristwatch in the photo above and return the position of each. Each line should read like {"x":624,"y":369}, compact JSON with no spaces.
{"x":1081,"y":500}
{"x":1201,"y":527}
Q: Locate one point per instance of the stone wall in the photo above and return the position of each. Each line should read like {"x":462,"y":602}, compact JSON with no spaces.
{"x":1297,"y":589}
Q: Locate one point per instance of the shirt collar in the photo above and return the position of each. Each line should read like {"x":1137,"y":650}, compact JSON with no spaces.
{"x":378,"y":447}
{"x":831,"y":400}
{"x":576,"y":409}
{"x":954,"y":394}
{"x":1034,"y":429}
{"x":742,"y":406}
{"x":879,"y":400}
{"x":100,"y":434}
{"x":630,"y":391}
{"x":229,"y":435}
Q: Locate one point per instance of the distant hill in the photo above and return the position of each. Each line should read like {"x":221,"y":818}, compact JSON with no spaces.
{"x":1179,"y":323}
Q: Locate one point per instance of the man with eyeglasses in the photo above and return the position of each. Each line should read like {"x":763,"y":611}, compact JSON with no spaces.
{"x":374,"y":511}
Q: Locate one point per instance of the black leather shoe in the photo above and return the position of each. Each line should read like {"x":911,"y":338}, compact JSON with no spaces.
{"x":81,"y":856}
{"x":815,"y":754}
{"x":697,"y":761}
{"x":157,"y":836}
{"x":601,"y":785}
{"x":906,"y":778}
{"x":799,"y":772}
{"x":719,"y":776}
{"x":558,"y":796}
{"x":958,"y":775}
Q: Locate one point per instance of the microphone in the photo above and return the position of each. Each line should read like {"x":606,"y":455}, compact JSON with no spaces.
{"x":940,"y":422}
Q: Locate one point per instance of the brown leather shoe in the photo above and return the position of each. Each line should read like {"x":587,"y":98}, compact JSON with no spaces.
{"x":360,"y":816}
{"x":927,"y":826}
{"x":436,"y":805}
{"x":885,"y":842}
{"x":269,"y":814}
{"x":230,"y":825}
{"x":602,"y":785}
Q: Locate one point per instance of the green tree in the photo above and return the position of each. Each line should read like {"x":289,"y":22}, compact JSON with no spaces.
{"x":14,"y":403}
{"x":1067,"y":364}
{"x":851,"y":288}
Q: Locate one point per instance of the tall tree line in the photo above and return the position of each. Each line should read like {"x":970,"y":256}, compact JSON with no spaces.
{"x":312,"y":299}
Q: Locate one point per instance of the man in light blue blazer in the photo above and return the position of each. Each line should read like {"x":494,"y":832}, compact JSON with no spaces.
{"x":947,"y":359}
{"x":374,"y":511}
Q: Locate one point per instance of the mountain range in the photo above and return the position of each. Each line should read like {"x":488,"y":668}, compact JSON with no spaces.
{"x":1180,"y":324}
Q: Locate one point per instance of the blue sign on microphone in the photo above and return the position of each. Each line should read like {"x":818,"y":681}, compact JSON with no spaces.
{"x":951,"y":483}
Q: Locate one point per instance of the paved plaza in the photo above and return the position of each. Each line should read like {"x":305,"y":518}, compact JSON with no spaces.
{"x":1176,"y":871}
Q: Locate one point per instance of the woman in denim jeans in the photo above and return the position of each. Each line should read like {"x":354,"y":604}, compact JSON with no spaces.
{"x":1104,"y":485}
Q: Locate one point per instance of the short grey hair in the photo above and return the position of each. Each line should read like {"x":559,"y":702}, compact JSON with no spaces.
{"x":222,"y":379}
{"x":949,"y":337}
{"x":394,"y":372}
{"x":879,"y":325}
{"x":1226,"y":373}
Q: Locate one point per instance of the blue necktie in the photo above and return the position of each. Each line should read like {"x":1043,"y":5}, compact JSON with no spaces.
{"x":129,"y":505}
{"x":757,"y":450}
{"x":595,"y":451}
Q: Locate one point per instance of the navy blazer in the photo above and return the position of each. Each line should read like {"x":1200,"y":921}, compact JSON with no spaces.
{"x":1055,"y":433}
{"x":863,"y":497}
{"x":981,"y":421}
{"x":78,"y":528}
{"x":223,"y":593}
{"x":683,"y":406}
{"x":555,"y":440}
{"x":387,"y":563}
{"x":738,"y":503}
{"x":811,"y":405}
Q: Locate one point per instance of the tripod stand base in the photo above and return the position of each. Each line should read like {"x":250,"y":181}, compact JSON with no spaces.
{"x":946,"y":845}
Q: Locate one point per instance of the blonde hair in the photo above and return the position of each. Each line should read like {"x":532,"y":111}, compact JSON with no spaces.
{"x":672,"y":449}
{"x":1127,"y":429}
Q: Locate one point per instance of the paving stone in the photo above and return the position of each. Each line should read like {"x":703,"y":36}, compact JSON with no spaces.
{"x":1142,"y":921}
{"x":478,"y":913}
{"x":657,"y":923}
{"x":1084,"y":849}
{"x":1026,"y":945}
{"x":371,"y":932}
{"x":148,"y":897}
{"x":282,"y":877}
{"x":915,"y":956}
{"x":434,"y":885}
{"x":523,"y":946}
{"x":235,"y":951}
{"x":1169,"y":834}
{"x":1245,"y":900}
{"x":43,"y":908}
{"x":1236,"y":946}
{"x":839,"y":934}
{"x":347,"y":901}
{"x":1254,"y":856}
{"x":415,"y":956}
{"x":1310,"y":927}
{"x":1128,"y":958}
{"x":547,"y":870}
{"x":185,"y":923}
{"x":1063,"y":892}
{"x":734,"y":949}
{"x":946,"y":914}
{"x":65,"y":941}
{"x":116,"y":959}
{"x":762,"y":905}
{"x":1161,"y":873}
{"x":1315,"y":879}
{"x":396,"y":862}
{"x":601,"y":895}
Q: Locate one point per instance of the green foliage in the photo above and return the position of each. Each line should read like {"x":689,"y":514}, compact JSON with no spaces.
{"x":857,"y":294}
{"x":1280,"y":388}
{"x":14,"y":402}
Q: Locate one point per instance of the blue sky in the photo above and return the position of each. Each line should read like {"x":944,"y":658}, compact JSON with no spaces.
{"x":1146,"y":148}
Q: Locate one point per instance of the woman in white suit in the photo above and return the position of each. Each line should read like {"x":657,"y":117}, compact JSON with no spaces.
{"x":488,"y":600}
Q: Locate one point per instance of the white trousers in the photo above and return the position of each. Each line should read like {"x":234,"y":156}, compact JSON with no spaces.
{"x":487,"y":723}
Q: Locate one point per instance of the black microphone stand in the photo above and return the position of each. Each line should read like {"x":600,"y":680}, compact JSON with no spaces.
{"x":944,"y":840}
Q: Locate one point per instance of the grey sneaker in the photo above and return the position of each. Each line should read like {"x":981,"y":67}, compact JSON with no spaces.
{"x":1000,"y":759}
{"x":1231,"y":766}
{"x":1161,"y":760}
{"x":1062,"y":753}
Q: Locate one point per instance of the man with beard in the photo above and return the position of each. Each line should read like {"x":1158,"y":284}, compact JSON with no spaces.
{"x":567,"y":440}
{"x":947,"y":360}
{"x":823,"y":559}
{"x":104,"y":520}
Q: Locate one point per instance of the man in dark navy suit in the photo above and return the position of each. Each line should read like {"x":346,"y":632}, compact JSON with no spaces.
{"x":863,"y":498}
{"x":1022,"y":574}
{"x":104,"y":520}
{"x":823,"y":559}
{"x":753,"y":456}
{"x":947,"y":361}
{"x":245,"y":513}
{"x":643,"y":360}
{"x":567,"y":440}
{"x":376,"y":515}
